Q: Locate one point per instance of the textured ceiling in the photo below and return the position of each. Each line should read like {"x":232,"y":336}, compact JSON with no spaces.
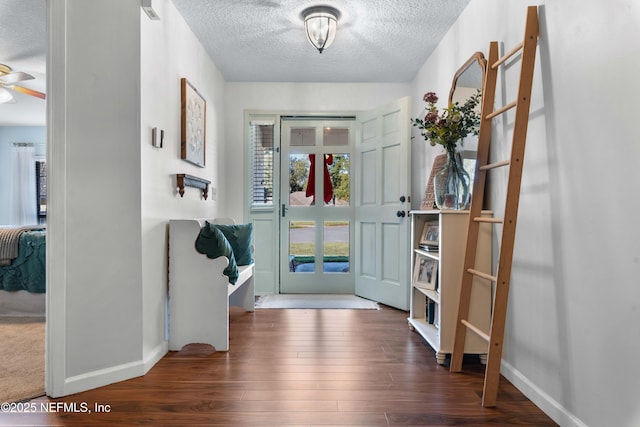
{"x":259,"y":40}
{"x":264,"y":40}
{"x":23,"y":46}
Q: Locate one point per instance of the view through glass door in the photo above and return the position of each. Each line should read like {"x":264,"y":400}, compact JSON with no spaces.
{"x":316,"y":212}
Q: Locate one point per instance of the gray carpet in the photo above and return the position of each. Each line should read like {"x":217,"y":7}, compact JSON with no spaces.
{"x":316,"y":301}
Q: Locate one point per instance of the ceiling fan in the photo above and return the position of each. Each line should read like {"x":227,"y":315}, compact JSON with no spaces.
{"x":9,"y":78}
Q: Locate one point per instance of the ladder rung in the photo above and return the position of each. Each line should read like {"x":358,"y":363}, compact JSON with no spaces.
{"x":495,"y":165}
{"x":501,"y":110}
{"x":475,"y":329}
{"x":508,"y":55}
{"x":483,"y":275}
{"x":491,"y":220}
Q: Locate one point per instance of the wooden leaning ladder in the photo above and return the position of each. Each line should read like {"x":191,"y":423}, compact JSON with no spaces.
{"x":503,"y":276}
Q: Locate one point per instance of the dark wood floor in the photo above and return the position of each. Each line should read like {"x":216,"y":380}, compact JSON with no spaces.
{"x":301,"y":368}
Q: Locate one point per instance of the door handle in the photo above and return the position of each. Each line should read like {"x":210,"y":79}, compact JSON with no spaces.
{"x":402,"y":199}
{"x":284,"y":210}
{"x":400,"y":214}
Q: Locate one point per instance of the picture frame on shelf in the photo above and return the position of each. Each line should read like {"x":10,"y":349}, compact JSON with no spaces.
{"x":430,"y":235}
{"x":193,"y":121}
{"x":425,"y":272}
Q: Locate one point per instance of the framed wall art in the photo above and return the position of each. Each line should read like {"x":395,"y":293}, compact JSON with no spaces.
{"x":193,"y":115}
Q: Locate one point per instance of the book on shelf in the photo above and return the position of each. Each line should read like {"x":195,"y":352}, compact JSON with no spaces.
{"x":436,"y":320}
{"x":429,"y":248}
{"x":431,"y":311}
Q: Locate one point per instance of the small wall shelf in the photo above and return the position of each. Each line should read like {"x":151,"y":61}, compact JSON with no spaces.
{"x":184,"y":180}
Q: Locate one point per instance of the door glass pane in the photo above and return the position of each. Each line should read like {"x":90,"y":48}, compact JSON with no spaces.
{"x":303,"y":137}
{"x":337,"y":187}
{"x":300,"y":194}
{"x":302,"y":246}
{"x":336,"y":247}
{"x":335,"y":136}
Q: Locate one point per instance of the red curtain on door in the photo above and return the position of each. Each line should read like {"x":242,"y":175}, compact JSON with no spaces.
{"x":311,"y":183}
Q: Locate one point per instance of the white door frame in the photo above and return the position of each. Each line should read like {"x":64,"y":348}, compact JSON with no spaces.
{"x":402,"y":291}
{"x":55,"y":327}
{"x":317,"y":281}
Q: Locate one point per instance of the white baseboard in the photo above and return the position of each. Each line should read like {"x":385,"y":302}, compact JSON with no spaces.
{"x":103,"y":377}
{"x":155,"y":356}
{"x":542,"y":400}
{"x":126,"y":371}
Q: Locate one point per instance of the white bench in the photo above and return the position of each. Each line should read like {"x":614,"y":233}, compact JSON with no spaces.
{"x":199,"y":294}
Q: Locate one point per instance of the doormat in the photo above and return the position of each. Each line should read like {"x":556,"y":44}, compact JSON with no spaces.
{"x":316,"y":301}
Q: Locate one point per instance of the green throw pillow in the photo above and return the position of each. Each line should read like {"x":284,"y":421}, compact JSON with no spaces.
{"x":239,"y":236}
{"x":212,"y":243}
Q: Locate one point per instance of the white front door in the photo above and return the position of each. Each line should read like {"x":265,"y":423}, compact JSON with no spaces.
{"x":316,"y":211}
{"x":382,"y":204}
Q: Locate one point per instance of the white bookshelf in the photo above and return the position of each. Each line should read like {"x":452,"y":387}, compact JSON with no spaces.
{"x":439,"y":328}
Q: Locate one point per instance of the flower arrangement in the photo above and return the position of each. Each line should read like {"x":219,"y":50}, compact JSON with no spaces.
{"x":452,"y":124}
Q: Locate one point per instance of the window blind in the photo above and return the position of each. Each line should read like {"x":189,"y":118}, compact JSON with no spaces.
{"x":261,"y":136}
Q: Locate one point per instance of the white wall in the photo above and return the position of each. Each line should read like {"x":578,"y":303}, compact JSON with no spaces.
{"x":93,"y":253}
{"x":112,"y":193}
{"x":9,"y":135}
{"x":286,"y":98}
{"x":292,"y":98}
{"x":572,"y":339}
{"x":171,"y":51}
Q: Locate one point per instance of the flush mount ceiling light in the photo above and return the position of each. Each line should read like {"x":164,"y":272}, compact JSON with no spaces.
{"x":320,"y":23}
